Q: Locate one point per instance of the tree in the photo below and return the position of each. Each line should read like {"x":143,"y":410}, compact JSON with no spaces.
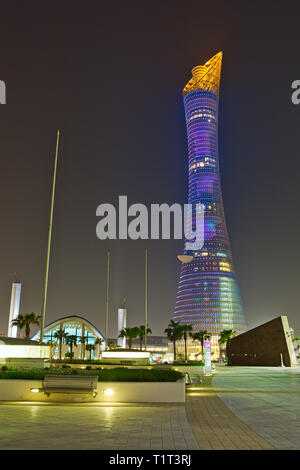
{"x":99,"y":342}
{"x":52,"y":345}
{"x":226,"y":336}
{"x":90,"y":348}
{"x":142,"y":334}
{"x":25,"y":321}
{"x":174,"y":332}
{"x":112,"y":345}
{"x":71,"y":340}
{"x":129,"y":334}
{"x":60,"y":335}
{"x":69,"y":355}
{"x":83,"y":340}
{"x":201,"y":336}
{"x":185,"y":329}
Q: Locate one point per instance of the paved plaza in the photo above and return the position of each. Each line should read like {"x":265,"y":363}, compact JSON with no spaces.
{"x":40,"y":426}
{"x":267,"y":399}
{"x":240,"y":408}
{"x":215,"y":426}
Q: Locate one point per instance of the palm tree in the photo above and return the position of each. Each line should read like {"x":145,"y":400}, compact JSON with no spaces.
{"x":129,"y":334}
{"x":83,"y":340}
{"x":90,"y":348}
{"x":174,"y":333}
{"x":185,"y":329}
{"x":24,"y":321}
{"x":99,"y":342}
{"x":226,"y":336}
{"x":142,"y":334}
{"x":52,"y":345}
{"x":201,"y":336}
{"x":60,"y":335}
{"x":71,"y":340}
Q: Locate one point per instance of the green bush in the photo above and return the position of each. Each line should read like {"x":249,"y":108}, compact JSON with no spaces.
{"x":118,"y":374}
{"x":4,"y":368}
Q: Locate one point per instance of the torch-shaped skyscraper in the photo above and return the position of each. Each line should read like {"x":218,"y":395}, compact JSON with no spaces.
{"x":208,"y":296}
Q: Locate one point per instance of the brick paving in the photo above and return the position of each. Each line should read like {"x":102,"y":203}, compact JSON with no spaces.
{"x":267,"y":399}
{"x":40,"y":426}
{"x":216,"y":427}
{"x":239,"y":409}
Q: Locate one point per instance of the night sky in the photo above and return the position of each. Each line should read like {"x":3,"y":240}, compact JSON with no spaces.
{"x":110,"y":76}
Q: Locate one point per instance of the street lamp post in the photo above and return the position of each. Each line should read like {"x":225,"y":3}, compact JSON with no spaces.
{"x":146,"y":296}
{"x":107,"y":298}
{"x":49,"y":242}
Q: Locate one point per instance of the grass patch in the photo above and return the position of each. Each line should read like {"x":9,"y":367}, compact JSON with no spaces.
{"x":118,"y":374}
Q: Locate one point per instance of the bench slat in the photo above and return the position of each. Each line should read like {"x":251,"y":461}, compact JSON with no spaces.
{"x":67,"y":384}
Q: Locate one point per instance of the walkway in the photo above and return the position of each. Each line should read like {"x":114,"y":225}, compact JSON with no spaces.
{"x":240,"y":408}
{"x":73,"y":426}
{"x":267,"y":399}
{"x":215,"y":426}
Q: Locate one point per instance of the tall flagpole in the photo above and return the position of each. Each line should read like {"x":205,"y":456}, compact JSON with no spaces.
{"x":146,"y":296}
{"x":49,"y":242}
{"x":107,"y":299}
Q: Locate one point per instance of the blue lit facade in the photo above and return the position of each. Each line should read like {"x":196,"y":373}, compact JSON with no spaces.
{"x":73,"y":325}
{"x":208,"y":296}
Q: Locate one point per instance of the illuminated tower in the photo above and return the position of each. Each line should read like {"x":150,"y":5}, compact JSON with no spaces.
{"x":208,"y":296}
{"x":14,"y":308}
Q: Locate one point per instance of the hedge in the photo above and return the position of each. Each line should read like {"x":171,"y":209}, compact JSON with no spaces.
{"x":118,"y":374}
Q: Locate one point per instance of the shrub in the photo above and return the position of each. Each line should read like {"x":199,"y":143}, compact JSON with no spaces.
{"x":118,"y":374}
{"x":4,"y":368}
{"x":88,"y":368}
{"x":65,"y":366}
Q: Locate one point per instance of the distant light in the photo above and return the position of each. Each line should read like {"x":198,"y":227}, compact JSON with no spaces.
{"x":34,"y":390}
{"x":109,"y":391}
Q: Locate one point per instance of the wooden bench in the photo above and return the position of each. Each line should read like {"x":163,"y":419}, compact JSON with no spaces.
{"x":69,"y":384}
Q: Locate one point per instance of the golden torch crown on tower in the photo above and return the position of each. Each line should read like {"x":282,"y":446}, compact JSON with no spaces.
{"x":207,"y":76}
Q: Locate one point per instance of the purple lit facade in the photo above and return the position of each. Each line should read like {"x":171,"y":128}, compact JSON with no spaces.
{"x":208,"y":296}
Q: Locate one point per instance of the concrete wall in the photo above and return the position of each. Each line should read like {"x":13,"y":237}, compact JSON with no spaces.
{"x":124,"y":392}
{"x":263,"y":345}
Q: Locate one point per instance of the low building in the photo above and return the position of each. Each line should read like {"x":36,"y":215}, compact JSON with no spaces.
{"x":19,"y":352}
{"x":154,"y":343}
{"x":85,"y":332}
{"x":157,"y":346}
